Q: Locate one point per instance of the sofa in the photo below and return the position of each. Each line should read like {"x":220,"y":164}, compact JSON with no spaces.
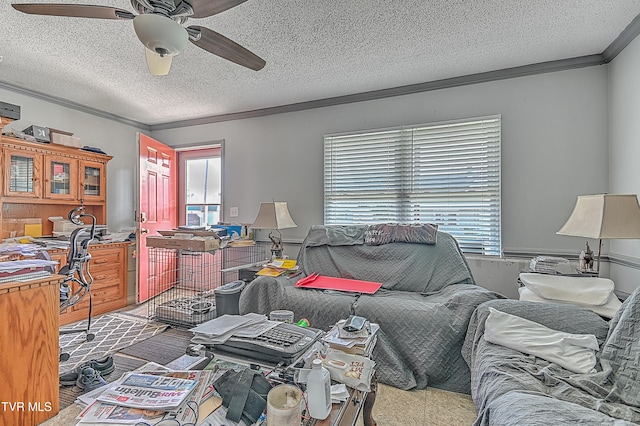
{"x":427,"y":297}
{"x":512,"y":387}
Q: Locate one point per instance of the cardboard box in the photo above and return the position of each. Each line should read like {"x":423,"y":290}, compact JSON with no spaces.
{"x":61,"y":224}
{"x":67,"y":140}
{"x":195,"y":243}
{"x":12,"y":228}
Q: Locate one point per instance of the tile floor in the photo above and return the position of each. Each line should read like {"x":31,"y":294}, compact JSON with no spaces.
{"x":428,"y":407}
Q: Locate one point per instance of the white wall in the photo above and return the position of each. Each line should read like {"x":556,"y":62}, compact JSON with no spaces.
{"x":554,"y":147}
{"x":624,"y":151}
{"x":554,"y":134}
{"x":114,"y":138}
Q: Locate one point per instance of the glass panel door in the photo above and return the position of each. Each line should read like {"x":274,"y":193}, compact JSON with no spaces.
{"x":22,"y":173}
{"x":61,"y":178}
{"x":92,"y":181}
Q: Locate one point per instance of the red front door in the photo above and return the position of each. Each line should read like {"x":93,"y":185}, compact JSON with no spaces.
{"x":156,"y":211}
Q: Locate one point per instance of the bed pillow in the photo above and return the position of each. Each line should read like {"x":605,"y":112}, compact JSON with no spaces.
{"x":581,"y":290}
{"x":575,"y":352}
{"x":607,"y":310}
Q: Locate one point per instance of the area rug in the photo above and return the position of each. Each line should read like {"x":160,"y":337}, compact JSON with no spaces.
{"x":112,"y":333}
{"x":161,"y":348}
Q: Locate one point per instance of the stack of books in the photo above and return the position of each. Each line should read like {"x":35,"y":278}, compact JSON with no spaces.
{"x":358,"y":343}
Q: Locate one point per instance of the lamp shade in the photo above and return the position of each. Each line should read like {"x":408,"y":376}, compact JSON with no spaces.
{"x":158,"y":65}
{"x":604,"y":216}
{"x":273,"y":215}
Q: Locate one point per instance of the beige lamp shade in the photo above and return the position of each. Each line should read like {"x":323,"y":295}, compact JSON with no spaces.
{"x":604,"y":216}
{"x":273,"y":215}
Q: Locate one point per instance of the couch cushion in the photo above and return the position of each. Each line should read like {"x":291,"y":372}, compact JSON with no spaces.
{"x":621,"y":352}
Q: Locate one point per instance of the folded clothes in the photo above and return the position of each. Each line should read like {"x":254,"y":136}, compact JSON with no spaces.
{"x":575,"y":352}
{"x":584,"y":290}
{"x":607,"y":310}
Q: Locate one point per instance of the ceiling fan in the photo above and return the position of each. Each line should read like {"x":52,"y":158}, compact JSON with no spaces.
{"x":159,"y":24}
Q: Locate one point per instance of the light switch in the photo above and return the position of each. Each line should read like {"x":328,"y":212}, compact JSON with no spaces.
{"x":233,"y":212}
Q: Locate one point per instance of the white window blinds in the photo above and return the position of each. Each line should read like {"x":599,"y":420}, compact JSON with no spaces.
{"x":443,"y":173}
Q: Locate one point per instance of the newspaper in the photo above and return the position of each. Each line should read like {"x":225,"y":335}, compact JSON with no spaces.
{"x":149,"y":392}
{"x":186,"y":413}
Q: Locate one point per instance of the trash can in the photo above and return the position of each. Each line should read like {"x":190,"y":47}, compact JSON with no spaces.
{"x":228,"y":298}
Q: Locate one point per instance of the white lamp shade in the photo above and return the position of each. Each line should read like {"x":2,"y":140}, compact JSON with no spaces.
{"x":273,"y":215}
{"x":160,"y":34}
{"x":604,"y":216}
{"x":158,"y":65}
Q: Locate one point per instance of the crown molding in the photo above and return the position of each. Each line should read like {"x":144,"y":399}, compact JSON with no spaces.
{"x":73,"y":105}
{"x":521,"y":71}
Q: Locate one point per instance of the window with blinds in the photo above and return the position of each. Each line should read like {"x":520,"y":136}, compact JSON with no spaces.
{"x":444,"y":173}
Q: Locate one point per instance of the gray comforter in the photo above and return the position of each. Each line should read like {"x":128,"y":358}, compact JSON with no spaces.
{"x":512,"y":388}
{"x":423,"y":308}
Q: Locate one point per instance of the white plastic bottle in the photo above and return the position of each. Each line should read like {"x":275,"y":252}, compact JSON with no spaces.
{"x":319,"y":391}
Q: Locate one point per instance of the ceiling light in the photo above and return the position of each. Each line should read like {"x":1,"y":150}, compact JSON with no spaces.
{"x":158,"y":65}
{"x":160,"y":34}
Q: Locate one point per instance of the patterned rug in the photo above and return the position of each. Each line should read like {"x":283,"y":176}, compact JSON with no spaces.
{"x":113,"y":332}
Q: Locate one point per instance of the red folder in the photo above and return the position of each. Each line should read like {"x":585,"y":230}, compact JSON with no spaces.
{"x":343,"y":284}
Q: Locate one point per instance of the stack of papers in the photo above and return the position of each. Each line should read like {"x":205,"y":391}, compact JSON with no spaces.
{"x":339,"y":393}
{"x":278,"y":267}
{"x":549,"y":265}
{"x":151,"y":396}
{"x":358,"y":343}
{"x":218,"y":330}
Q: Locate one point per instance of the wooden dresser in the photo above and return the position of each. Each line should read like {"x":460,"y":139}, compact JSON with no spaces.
{"x":108,"y":266}
{"x":29,"y":349}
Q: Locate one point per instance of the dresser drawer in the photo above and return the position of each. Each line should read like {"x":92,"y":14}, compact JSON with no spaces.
{"x":105,"y":260}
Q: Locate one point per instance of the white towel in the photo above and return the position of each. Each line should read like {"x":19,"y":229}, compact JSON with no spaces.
{"x":585,"y":290}
{"x":607,"y":310}
{"x":575,"y":352}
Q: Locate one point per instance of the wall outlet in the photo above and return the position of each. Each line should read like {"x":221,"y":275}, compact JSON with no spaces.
{"x":233,"y":212}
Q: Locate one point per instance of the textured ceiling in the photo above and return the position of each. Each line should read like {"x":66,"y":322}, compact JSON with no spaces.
{"x":314,"y":49}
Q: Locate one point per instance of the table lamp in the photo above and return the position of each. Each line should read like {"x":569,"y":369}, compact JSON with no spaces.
{"x":275,"y":216}
{"x":604,"y":216}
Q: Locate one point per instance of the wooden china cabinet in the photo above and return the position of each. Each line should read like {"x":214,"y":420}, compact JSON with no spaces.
{"x":40,"y":180}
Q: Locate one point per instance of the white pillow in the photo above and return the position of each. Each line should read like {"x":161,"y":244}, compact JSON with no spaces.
{"x":607,"y":310}
{"x":575,"y":352}
{"x":584,"y":290}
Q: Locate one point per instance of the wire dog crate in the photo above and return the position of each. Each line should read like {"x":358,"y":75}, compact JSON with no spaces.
{"x":185,"y":280}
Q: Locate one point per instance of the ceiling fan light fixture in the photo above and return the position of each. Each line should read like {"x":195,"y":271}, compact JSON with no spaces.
{"x":161,"y":34}
{"x":158,"y":64}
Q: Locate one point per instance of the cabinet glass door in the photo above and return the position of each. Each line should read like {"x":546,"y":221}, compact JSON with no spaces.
{"x":22,"y":173}
{"x":94,"y":181}
{"x":61,"y":178}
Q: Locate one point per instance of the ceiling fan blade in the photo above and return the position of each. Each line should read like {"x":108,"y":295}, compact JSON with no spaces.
{"x":73,"y":10}
{"x":158,"y":65}
{"x":204,"y":8}
{"x":228,"y":49}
